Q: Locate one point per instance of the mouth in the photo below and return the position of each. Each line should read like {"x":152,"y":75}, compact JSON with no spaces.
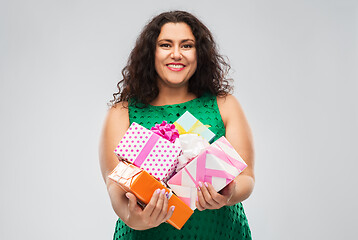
{"x":175,"y":66}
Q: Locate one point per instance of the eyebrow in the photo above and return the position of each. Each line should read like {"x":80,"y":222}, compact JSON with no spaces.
{"x":171,"y":41}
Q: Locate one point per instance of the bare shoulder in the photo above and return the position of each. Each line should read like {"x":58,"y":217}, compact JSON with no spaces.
{"x":117,"y":120}
{"x":226,"y":100}
{"x":229,"y":107}
{"x":118,"y":111}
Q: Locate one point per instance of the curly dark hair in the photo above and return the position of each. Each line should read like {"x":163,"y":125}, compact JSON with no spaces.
{"x":140,"y":77}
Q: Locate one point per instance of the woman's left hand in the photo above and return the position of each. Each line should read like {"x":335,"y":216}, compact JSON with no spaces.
{"x":208,"y":198}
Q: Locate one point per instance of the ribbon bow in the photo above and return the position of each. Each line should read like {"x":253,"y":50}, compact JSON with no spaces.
{"x":197,"y":128}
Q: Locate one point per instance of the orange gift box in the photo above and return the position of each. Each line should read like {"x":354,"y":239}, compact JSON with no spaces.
{"x":142,"y":185}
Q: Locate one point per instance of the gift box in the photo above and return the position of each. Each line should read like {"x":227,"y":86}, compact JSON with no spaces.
{"x":218,"y":164}
{"x":149,"y":151}
{"x":142,"y":185}
{"x":187,"y":123}
{"x":191,"y":145}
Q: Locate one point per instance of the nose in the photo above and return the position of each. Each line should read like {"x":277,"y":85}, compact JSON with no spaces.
{"x":176,"y":54}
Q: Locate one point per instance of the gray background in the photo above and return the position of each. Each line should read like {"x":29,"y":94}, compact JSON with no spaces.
{"x":295,"y":70}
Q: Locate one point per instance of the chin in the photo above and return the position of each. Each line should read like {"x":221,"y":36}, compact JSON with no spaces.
{"x":176,"y":83}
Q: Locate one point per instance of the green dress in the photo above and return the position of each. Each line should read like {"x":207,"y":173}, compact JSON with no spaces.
{"x":228,"y":222}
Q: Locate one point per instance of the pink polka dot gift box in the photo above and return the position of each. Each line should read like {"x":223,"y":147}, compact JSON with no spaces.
{"x":149,"y":151}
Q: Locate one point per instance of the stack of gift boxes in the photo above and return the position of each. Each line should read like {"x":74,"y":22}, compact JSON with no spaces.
{"x":174,"y":157}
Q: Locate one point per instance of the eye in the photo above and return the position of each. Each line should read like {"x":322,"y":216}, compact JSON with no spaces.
{"x":188,"y":46}
{"x":164,"y":45}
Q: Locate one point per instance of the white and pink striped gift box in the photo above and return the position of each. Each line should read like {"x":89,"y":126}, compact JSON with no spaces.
{"x":218,"y":164}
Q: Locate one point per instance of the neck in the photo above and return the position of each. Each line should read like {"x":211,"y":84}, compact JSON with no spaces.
{"x":168,"y":96}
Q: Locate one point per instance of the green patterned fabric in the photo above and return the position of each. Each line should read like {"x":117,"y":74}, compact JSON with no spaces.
{"x":229,"y":222}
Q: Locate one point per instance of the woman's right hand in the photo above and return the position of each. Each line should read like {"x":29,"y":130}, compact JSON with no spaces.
{"x":155,"y":213}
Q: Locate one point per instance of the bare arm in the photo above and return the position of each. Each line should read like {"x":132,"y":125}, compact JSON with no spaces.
{"x":238,"y":133}
{"x":125,"y":204}
{"x":114,"y":128}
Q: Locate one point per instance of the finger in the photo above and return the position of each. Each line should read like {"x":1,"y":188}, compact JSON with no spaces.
{"x":201,"y":199}
{"x":198,"y":206}
{"x":164,"y":208}
{"x":169,"y":213}
{"x":148,"y":210}
{"x":132,"y":202}
{"x":207,"y":196}
{"x":218,"y":198}
{"x":159,"y":205}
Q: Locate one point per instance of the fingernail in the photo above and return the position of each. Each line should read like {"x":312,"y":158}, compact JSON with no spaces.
{"x":157,"y":191}
{"x":127,"y":195}
{"x":173,"y":207}
{"x":206,"y":184}
{"x":200,"y":184}
{"x":162,"y":191}
{"x":199,"y":189}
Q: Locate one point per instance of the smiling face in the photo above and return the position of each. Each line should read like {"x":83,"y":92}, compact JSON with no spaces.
{"x":175,"y":55}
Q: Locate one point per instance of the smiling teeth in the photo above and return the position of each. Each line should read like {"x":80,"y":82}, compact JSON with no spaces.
{"x":175,"y":66}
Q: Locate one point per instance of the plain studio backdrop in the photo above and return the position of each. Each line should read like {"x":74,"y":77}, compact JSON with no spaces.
{"x":295,"y":70}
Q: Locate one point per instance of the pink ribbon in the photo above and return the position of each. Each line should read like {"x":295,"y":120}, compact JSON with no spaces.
{"x":146,"y":150}
{"x":166,"y":130}
{"x":205,"y":175}
{"x":230,"y":160}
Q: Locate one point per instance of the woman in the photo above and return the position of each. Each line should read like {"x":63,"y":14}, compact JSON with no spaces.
{"x":174,"y":67}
